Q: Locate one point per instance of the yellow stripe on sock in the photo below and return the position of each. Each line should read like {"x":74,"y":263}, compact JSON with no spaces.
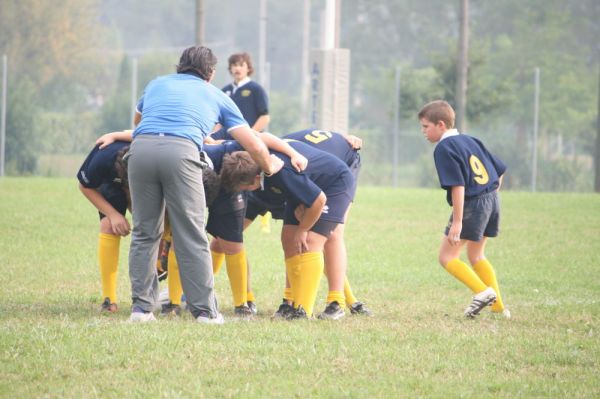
{"x":486,"y":273}
{"x":108,"y":260}
{"x":463,"y":273}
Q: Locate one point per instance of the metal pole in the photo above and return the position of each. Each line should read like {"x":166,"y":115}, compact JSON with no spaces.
{"x":199,"y":22}
{"x":396,"y":138}
{"x":597,"y":156}
{"x":536,"y":107}
{"x":462,"y":67}
{"x":134,"y":79}
{"x":329,"y":29}
{"x":3,"y":122}
{"x":262,"y":42}
{"x":305,"y":62}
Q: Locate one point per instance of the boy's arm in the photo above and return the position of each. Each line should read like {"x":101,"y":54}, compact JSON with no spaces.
{"x":109,"y":138}
{"x":500,"y":179}
{"x":118,"y":222}
{"x":458,"y":202}
{"x":309,"y":217}
{"x":261,"y":123}
{"x":275,"y":143}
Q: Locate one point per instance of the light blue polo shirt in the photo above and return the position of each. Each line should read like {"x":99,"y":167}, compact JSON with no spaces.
{"x":187,"y":106}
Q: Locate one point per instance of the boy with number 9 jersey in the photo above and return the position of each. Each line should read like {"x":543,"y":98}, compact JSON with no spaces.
{"x":471,"y":176}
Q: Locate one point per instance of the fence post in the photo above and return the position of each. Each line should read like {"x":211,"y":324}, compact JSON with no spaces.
{"x":536,"y":109}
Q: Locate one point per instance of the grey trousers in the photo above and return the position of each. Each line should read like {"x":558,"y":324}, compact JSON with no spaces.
{"x":166,"y":170}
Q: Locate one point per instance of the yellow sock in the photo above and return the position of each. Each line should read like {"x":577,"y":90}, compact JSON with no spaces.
{"x":486,"y":273}
{"x":337,"y":296}
{"x":307,"y":269}
{"x":217,"y":261}
{"x":108,"y":259}
{"x":350,"y":298}
{"x":287,"y":294}
{"x":238,"y":277}
{"x":465,"y":275}
{"x":265,"y":223}
{"x":250,"y":296}
{"x":174,"y":280}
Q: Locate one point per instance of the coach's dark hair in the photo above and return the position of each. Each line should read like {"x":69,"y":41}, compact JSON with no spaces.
{"x":240,"y":58}
{"x":212,"y":185}
{"x":121,"y":167}
{"x":198,"y":59}
{"x":238,"y":169}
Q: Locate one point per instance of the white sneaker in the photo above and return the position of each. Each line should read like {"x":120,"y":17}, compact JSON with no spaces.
{"x":141,"y":317}
{"x":480,"y":301}
{"x":211,"y":320}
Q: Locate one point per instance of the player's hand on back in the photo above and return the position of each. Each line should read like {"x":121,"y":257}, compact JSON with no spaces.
{"x":299,"y":162}
{"x":354,"y":141}
{"x":276,"y":164}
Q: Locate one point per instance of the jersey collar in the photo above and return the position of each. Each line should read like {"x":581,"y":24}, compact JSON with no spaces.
{"x":449,"y":133}
{"x":240,"y":84}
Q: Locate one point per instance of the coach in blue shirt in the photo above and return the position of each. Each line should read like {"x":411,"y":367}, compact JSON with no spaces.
{"x":174,"y":115}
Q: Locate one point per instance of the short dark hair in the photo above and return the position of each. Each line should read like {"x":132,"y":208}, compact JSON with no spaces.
{"x":238,"y":168}
{"x":239,"y":58}
{"x":438,"y":110}
{"x":212,"y":185}
{"x":198,"y":59}
{"x":121,"y":167}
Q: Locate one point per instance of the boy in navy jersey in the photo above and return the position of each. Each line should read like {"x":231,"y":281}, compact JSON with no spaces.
{"x":248,"y":95}
{"x":102,"y":181}
{"x":316,"y":202}
{"x":471,"y":176}
{"x":345,"y":148}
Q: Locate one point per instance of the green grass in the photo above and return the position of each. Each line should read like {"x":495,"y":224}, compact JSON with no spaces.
{"x":54,"y":342}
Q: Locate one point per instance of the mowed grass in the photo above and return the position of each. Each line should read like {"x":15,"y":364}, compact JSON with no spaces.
{"x":55,"y":343}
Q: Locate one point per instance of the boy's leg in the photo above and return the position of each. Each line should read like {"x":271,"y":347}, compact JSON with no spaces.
{"x":484,"y":269}
{"x":217,"y":255}
{"x":304,"y":269}
{"x":108,"y":261}
{"x":449,"y":259}
{"x":335,"y":266}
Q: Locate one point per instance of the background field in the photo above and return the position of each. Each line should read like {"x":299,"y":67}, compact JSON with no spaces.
{"x":54,"y":342}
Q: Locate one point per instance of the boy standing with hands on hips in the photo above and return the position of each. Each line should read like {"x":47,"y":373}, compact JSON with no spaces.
{"x":471,"y":176}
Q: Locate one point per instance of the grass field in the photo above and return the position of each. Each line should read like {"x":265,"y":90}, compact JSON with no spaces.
{"x":55,"y":343}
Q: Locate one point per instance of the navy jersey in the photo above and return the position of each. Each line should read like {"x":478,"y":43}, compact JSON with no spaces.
{"x":215,"y":153}
{"x":463,"y":160}
{"x":331,"y":142}
{"x":251,"y":99}
{"x":98,"y":168}
{"x":324,"y":172}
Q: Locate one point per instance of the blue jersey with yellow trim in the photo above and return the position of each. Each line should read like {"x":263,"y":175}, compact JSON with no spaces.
{"x":331,"y":142}
{"x":463,"y":160}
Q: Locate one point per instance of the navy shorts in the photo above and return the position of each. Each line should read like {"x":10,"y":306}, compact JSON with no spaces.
{"x":332,"y":215}
{"x":115,"y":196}
{"x":481,"y":217}
{"x":226,"y":217}
{"x":256,"y":206}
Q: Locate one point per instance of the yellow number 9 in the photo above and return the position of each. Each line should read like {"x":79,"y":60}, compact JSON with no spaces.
{"x":481,"y":174}
{"x":316,"y":136}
